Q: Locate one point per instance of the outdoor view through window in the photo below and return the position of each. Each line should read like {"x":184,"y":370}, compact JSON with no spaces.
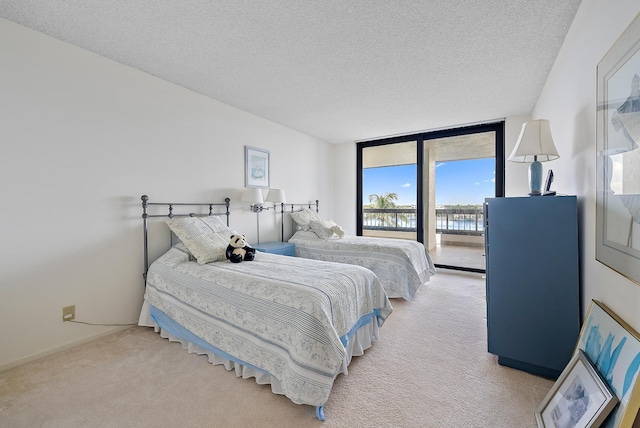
{"x":458,"y":183}
{"x":458,"y":173}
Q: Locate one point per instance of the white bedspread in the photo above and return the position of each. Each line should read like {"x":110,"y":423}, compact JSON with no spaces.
{"x":284,"y":315}
{"x":401,"y":265}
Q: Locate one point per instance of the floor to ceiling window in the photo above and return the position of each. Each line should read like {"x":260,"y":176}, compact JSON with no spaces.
{"x":389,"y":190}
{"x":430,"y":187}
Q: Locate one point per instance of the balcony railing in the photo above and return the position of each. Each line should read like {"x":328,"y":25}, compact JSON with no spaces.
{"x":396,"y":219}
{"x":460,"y":221}
{"x":452,"y":221}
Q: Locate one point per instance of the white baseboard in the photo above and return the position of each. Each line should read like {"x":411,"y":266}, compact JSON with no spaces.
{"x":55,"y":350}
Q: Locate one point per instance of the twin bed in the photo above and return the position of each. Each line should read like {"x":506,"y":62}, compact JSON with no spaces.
{"x":401,"y":265}
{"x":261,"y":318}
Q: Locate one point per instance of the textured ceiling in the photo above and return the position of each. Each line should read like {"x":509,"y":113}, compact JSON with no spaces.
{"x":339,"y":70}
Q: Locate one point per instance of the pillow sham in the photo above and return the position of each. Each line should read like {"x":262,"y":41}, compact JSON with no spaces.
{"x":322,"y":228}
{"x":304,"y":217}
{"x":326,"y":229}
{"x":180,"y":246}
{"x":205,"y":237}
{"x":338,"y":230}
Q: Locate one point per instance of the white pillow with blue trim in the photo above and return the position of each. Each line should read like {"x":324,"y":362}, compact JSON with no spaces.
{"x":205,"y":237}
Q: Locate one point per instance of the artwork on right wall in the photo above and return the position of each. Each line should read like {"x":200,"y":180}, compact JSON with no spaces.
{"x":618,"y":157}
{"x":614,"y":349}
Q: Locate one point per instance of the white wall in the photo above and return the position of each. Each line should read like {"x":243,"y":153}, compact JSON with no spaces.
{"x":82,"y":139}
{"x":569,"y":102}
{"x":345,"y":186}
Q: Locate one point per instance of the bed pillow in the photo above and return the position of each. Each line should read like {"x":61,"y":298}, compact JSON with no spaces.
{"x":338,"y":230}
{"x":205,"y":237}
{"x":303,"y":218}
{"x":323,"y":228}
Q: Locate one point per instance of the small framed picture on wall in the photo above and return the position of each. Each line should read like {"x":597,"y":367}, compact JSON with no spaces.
{"x":256,"y":167}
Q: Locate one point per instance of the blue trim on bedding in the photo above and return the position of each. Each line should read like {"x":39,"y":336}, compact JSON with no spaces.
{"x":364,"y":320}
{"x":167,"y":323}
{"x":320,"y":413}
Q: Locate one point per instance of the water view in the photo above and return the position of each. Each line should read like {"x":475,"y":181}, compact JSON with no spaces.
{"x":461,"y":186}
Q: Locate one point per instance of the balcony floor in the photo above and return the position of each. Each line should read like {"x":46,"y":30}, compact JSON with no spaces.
{"x":458,"y":255}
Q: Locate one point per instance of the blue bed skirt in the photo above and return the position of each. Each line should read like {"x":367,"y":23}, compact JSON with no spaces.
{"x":179,"y":333}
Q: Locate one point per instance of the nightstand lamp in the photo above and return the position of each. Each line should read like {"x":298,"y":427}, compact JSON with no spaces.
{"x":535,"y":145}
{"x":254,"y":195}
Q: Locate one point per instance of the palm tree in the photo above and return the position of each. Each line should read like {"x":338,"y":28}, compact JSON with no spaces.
{"x":383,"y":202}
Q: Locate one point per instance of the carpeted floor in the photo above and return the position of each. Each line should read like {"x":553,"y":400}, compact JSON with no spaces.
{"x":429,"y":369}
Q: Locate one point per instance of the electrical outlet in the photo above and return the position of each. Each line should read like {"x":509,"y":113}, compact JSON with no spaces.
{"x":69,"y":313}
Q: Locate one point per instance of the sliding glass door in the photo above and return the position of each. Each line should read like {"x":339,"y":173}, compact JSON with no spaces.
{"x":430,"y":187}
{"x":465,"y":172}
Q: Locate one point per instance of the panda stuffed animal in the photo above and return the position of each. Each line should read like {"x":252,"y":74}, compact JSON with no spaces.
{"x":239,"y":250}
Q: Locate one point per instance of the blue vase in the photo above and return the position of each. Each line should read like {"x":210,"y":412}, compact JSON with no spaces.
{"x":535,"y":178}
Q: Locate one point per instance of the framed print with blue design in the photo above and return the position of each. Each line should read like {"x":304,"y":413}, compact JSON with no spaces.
{"x":580,"y":398}
{"x":618,"y":155}
{"x":614,"y":349}
{"x":256,"y":167}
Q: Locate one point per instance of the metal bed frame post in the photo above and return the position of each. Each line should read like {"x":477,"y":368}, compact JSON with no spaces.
{"x":308,"y":204}
{"x":145,"y":201}
{"x":281,"y":221}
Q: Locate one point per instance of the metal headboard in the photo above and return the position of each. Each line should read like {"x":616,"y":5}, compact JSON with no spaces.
{"x":170,"y":214}
{"x":291,"y":209}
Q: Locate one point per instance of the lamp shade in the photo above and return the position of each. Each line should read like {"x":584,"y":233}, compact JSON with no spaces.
{"x":276,"y":195}
{"x":252,"y":195}
{"x":535,"y":143}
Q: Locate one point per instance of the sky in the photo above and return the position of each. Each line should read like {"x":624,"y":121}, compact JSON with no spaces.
{"x":465,"y":182}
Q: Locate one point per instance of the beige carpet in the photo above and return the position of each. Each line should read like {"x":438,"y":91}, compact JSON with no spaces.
{"x":430,"y":369}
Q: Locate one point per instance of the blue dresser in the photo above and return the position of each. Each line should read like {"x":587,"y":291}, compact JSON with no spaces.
{"x":282,"y":248}
{"x":533,"y":292}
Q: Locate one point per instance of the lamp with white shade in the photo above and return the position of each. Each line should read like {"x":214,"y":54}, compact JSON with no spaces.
{"x":276,"y":196}
{"x":535,"y":145}
{"x":254,"y":195}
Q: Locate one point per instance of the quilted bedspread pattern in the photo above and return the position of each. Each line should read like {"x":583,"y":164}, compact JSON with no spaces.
{"x":401,"y":265}
{"x":285,"y":315}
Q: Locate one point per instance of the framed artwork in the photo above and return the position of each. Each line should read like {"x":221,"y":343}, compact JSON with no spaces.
{"x":614,"y":348}
{"x":580,"y":398}
{"x":618,"y":156}
{"x":256,"y":167}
